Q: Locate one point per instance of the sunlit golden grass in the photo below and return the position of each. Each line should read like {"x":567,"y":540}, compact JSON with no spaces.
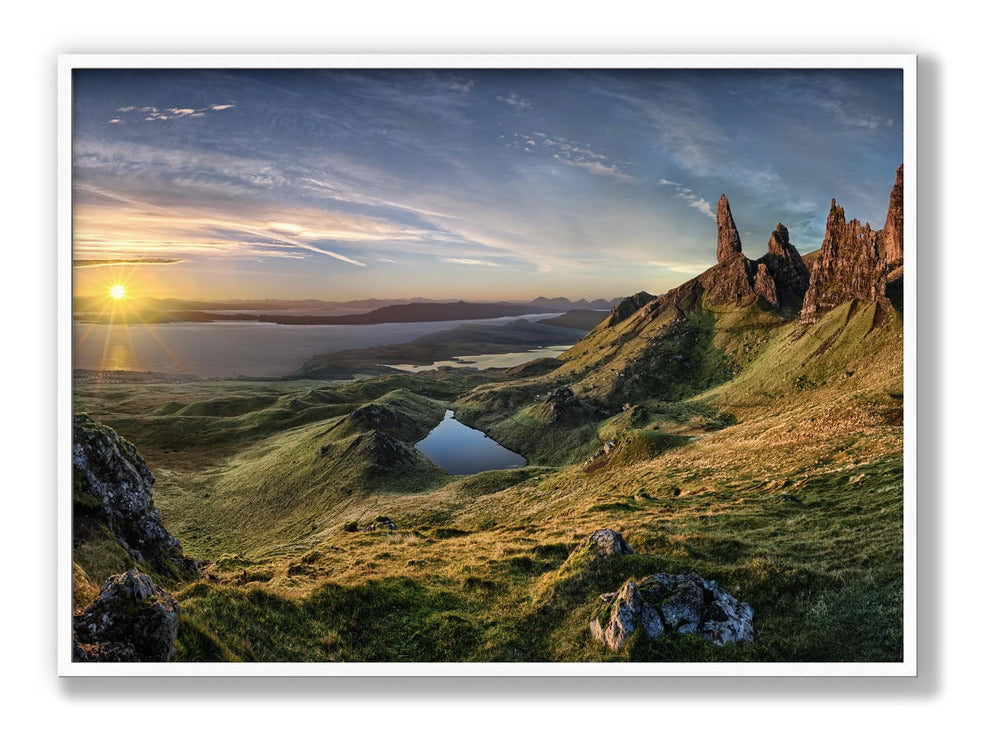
{"x":783,"y":484}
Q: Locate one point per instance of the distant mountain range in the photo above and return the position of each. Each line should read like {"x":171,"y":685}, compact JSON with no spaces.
{"x":96,"y":303}
{"x":319,"y":312}
{"x":421,"y":312}
{"x":564,"y":303}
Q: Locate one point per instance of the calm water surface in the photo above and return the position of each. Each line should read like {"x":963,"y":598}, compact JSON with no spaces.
{"x":459,"y":449}
{"x":233,"y":348}
{"x":488,"y":361}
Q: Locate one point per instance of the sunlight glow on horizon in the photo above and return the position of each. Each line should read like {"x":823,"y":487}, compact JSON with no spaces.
{"x":467,"y":184}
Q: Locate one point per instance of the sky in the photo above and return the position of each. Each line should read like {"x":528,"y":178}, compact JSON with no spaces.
{"x":467,"y":184}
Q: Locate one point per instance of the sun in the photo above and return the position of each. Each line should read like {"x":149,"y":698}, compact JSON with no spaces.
{"x":117,"y":292}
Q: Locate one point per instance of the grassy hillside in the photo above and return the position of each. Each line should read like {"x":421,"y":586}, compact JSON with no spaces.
{"x":756,"y":451}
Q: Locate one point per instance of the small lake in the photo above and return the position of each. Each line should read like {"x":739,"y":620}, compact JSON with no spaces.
{"x":459,"y":449}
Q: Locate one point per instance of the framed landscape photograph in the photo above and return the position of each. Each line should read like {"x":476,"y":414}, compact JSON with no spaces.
{"x":487,"y":365}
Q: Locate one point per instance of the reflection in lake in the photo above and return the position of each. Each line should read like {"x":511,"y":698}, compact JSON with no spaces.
{"x":459,"y":449}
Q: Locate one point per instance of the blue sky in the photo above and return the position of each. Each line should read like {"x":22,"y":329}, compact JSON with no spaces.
{"x":478,"y":184}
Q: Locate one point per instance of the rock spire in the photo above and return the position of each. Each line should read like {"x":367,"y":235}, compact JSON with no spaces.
{"x":729,"y":238}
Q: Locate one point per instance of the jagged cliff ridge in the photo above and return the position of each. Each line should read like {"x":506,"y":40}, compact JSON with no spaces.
{"x":855,"y":261}
{"x":113,"y":494}
{"x":779,"y":278}
{"x":709,"y":328}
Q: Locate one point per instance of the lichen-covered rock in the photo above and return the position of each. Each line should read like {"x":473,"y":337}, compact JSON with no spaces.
{"x":113,"y":487}
{"x":132,"y":619}
{"x":605,"y":542}
{"x":668,"y":603}
{"x":625,"y":617}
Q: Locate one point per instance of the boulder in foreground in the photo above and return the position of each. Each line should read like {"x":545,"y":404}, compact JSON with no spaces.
{"x":667,"y":603}
{"x":605,"y":542}
{"x":132,"y":619}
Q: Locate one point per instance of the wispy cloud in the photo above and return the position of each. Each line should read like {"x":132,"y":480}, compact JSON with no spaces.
{"x":852,"y":117}
{"x":147,"y":261}
{"x":469,"y":262}
{"x":613,"y":178}
{"x":150,"y":113}
{"x":107,"y":230}
{"x":680,"y":267}
{"x":461,"y":86}
{"x":690,"y":197}
{"x":799,"y":206}
{"x":515,"y":101}
{"x":569,"y":153}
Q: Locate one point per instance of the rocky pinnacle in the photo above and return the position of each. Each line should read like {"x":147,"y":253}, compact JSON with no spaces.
{"x":892,"y":234}
{"x":729,"y":238}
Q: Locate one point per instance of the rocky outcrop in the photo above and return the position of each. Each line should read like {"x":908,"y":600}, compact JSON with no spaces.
{"x":628,"y":307}
{"x":604,"y":542}
{"x":856,"y":261}
{"x":849,"y":266}
{"x":729,"y":244}
{"x":562,"y":406}
{"x":730,"y":281}
{"x":763,"y":284}
{"x":113,"y":491}
{"x":603,"y":452}
{"x":132,"y":619}
{"x":779,"y":278}
{"x":663,"y":603}
{"x":382,"y":520}
{"x":785,"y":265}
{"x":892,"y":233}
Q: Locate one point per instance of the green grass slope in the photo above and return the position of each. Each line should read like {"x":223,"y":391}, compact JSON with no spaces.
{"x":770,"y":462}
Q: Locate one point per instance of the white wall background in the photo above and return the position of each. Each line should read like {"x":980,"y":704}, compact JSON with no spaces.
{"x":957,"y":327}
